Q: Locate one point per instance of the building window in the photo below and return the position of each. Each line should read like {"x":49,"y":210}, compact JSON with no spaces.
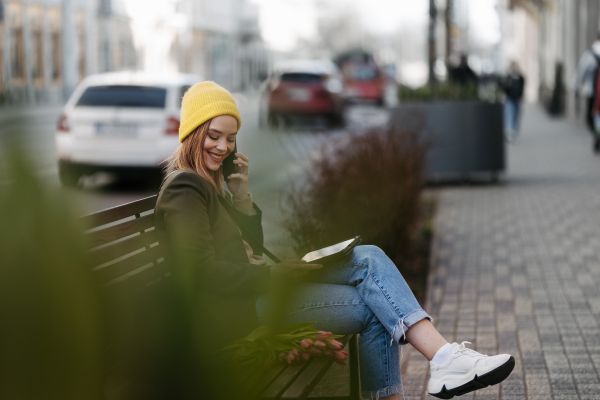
{"x":56,"y":58}
{"x":81,"y":44}
{"x":1,"y":44}
{"x":16,"y":51}
{"x":37,"y":49}
{"x":55,"y":20}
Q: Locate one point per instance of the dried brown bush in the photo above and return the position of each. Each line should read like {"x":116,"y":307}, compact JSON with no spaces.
{"x":370,"y":185}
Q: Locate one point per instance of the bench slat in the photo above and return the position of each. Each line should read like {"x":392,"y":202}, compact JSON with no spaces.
{"x":120,"y":212}
{"x":113,"y":271}
{"x":312,"y":374}
{"x":304,"y":384}
{"x":137,"y":280}
{"x":119,"y":231}
{"x":283,"y":381}
{"x":249,"y":383}
{"x":120,"y":249}
{"x":265,"y":380}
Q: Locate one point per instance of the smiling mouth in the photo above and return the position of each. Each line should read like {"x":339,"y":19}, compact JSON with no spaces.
{"x":216,"y":157}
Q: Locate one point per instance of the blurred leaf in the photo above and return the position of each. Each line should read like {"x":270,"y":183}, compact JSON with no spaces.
{"x":52,"y":337}
{"x":301,"y":327}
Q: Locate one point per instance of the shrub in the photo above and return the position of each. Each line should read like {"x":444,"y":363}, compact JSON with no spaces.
{"x":369,"y":185}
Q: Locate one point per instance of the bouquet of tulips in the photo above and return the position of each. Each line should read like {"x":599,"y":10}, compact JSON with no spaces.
{"x":292,"y":344}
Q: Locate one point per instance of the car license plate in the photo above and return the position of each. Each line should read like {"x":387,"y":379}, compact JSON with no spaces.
{"x":299,"y":94}
{"x":116,"y":130}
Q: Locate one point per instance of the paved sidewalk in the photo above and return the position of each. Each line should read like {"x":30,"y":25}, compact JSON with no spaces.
{"x":516,"y":268}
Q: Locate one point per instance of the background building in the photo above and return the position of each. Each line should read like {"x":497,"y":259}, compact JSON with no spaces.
{"x":48,"y":46}
{"x":567,"y":29}
{"x":222,"y":42}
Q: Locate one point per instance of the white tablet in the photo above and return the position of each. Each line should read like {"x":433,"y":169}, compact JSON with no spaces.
{"x":333,"y":251}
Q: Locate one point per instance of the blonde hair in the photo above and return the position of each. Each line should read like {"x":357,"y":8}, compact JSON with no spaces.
{"x":189,"y":156}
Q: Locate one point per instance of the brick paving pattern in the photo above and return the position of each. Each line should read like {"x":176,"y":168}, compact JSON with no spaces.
{"x":516,"y":268}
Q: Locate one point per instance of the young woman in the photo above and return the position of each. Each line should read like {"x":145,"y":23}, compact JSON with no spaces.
{"x":225,"y":279}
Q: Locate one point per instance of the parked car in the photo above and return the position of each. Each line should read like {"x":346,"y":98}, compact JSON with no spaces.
{"x":306,"y":87}
{"x":124,"y":122}
{"x":364,"y":81}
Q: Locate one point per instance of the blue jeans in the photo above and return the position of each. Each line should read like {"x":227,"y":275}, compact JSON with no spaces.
{"x":363,"y":293}
{"x":511,"y":117}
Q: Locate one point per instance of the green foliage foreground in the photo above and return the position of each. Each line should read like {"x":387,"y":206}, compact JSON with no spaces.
{"x":51,"y":340}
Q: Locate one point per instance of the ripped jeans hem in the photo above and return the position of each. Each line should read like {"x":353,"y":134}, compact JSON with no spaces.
{"x":388,"y":391}
{"x":409,"y":320}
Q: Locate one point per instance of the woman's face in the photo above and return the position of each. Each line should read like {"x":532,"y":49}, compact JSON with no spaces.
{"x":220,"y":141}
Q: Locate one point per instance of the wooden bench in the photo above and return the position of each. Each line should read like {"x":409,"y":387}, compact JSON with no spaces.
{"x":128,"y":257}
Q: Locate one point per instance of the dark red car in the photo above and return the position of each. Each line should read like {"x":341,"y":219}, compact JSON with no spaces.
{"x":364,"y":81}
{"x":305,"y":88}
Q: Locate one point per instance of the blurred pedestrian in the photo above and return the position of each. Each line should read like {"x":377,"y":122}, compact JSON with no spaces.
{"x":585,"y":80}
{"x":464,"y":77}
{"x":595,"y":115}
{"x":223,"y":275}
{"x":514,"y":85}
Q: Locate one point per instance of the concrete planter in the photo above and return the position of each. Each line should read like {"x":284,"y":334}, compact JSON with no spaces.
{"x":465,"y":137}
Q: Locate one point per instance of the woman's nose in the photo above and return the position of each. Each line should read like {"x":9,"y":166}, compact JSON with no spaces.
{"x":222,"y":145}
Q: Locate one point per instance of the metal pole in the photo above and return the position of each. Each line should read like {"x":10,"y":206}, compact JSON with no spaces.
{"x":432,"y":44}
{"x":449,"y":14}
{"x":105,"y":11}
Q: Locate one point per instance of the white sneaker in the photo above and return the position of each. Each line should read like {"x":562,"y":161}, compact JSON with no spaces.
{"x":467,"y":370}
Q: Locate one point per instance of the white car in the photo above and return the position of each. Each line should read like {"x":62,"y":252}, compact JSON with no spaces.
{"x":123,"y":122}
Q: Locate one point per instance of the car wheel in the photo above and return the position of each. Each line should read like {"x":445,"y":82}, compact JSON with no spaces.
{"x":68,"y":176}
{"x":336,"y":120}
{"x":341,"y":119}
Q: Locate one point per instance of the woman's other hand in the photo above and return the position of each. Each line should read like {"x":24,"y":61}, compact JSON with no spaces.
{"x":258,"y":260}
{"x":293,"y":268}
{"x":238,"y":183}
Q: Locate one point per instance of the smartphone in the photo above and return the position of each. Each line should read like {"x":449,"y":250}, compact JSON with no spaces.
{"x":228,"y":166}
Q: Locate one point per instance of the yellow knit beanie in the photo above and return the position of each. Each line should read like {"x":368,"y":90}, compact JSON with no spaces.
{"x":203,"y":101}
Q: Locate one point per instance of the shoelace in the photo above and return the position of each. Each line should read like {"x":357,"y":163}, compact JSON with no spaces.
{"x":461,"y":347}
{"x":464,"y":349}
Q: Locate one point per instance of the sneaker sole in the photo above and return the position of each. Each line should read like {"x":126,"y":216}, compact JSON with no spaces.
{"x":479,"y":382}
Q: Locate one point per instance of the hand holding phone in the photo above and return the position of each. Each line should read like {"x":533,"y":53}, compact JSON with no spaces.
{"x":235,"y":172}
{"x":229,"y":167}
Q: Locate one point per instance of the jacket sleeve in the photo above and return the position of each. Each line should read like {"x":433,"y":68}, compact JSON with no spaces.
{"x":184,"y":204}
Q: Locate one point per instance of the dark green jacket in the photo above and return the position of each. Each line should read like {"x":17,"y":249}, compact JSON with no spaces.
{"x":207,"y":256}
